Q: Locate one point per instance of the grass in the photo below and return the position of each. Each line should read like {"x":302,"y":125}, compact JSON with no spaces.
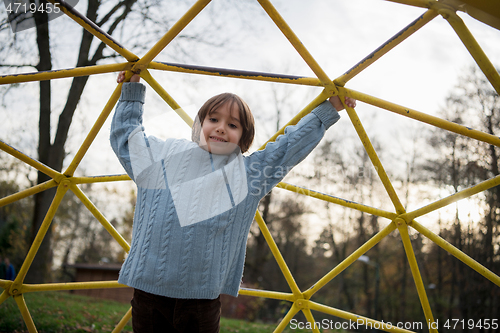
{"x":58,"y":312}
{"x":63,"y":312}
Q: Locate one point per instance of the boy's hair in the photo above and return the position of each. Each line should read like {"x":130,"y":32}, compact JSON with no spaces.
{"x":246,"y":118}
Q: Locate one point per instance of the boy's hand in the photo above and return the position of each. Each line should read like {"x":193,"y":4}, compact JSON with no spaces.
{"x":337,"y":104}
{"x":121,"y":77}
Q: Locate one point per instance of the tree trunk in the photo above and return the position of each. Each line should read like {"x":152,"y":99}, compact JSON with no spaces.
{"x":41,"y":265}
{"x":53,"y":154}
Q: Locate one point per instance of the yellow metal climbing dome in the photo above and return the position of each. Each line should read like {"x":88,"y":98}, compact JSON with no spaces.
{"x":400,"y":219}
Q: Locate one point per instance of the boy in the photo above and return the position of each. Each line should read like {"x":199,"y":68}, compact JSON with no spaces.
{"x":195,"y":203}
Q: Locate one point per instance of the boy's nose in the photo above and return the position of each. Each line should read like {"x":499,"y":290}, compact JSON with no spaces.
{"x":220,"y":129}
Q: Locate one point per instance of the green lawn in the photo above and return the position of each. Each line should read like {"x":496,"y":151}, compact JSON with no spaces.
{"x":58,"y":312}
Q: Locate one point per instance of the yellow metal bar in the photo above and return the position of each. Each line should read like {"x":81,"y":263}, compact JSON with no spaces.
{"x":297,"y":44}
{"x":375,"y":160}
{"x":237,"y":74}
{"x":487,"y":12}
{"x":63,"y":73}
{"x":5,"y":295}
{"x":473,"y":47}
{"x":456,"y":252}
{"x":349,"y":260}
{"x":99,"y":179}
{"x":30,"y":161}
{"x":170,"y":35}
{"x":386,"y":47}
{"x":277,"y":255}
{"x":30,"y":288}
{"x":417,"y":278}
{"x":266,"y":294}
{"x":310,"y":319}
{"x":95,"y":30}
{"x":61,"y":190}
{"x":363,"y":322}
{"x":291,"y":313}
{"x":119,"y":327}
{"x":21,"y":303}
{"x":415,"y":3}
{"x":98,"y":215}
{"x":342,"y":202}
{"x":94,"y":130}
{"x":317,"y":101}
{"x":5,"y":284}
{"x":492,"y":182}
{"x":423,"y":117}
{"x":166,"y":97}
{"x":26,"y":193}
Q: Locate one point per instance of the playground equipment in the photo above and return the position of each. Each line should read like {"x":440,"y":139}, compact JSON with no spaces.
{"x":485,"y":11}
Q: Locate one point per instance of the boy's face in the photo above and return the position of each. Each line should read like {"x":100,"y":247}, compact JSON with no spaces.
{"x":221,"y":130}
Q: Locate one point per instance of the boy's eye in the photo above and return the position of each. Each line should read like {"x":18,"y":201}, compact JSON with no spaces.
{"x":212,"y":119}
{"x":233,"y":126}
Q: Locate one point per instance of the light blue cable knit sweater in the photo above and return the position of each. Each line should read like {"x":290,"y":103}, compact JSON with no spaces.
{"x":194,"y":209}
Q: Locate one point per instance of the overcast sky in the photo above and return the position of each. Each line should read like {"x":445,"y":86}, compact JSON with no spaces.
{"x":418,"y":74}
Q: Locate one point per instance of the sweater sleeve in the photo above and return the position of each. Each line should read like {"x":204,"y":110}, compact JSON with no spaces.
{"x":127,"y":137}
{"x":269,"y":166}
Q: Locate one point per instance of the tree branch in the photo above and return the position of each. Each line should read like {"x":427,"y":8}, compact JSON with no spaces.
{"x":128,"y":8}
{"x":110,"y":13}
{"x":77,"y":86}
{"x":79,"y":83}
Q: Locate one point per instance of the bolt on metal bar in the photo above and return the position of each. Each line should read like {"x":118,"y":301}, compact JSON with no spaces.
{"x":386,"y":47}
{"x":456,"y":252}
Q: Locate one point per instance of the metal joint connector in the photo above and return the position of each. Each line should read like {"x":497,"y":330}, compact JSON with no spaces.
{"x":302,"y":303}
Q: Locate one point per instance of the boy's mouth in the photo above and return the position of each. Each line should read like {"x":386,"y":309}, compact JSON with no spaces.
{"x":216,"y":138}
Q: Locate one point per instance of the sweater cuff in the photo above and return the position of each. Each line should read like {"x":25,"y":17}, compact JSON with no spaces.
{"x":326,"y":113}
{"x":133,"y":91}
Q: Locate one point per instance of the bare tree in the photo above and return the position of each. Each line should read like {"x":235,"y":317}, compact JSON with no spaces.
{"x":460,"y":163}
{"x":141,"y":21}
